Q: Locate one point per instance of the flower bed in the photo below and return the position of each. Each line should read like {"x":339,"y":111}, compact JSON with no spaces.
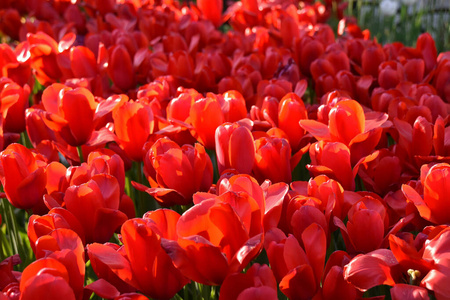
{"x":172,"y":150}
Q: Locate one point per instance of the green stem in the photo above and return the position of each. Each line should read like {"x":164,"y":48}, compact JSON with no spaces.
{"x":16,"y":242}
{"x":80,"y":154}
{"x":25,"y":141}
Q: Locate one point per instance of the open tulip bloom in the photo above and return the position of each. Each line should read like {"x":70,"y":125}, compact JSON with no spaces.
{"x":186,"y":150}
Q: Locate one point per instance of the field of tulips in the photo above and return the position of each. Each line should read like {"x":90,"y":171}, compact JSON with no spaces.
{"x":186,"y":150}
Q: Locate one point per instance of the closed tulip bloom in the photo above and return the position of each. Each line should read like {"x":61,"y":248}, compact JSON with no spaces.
{"x":133,"y":123}
{"x":212,"y":10}
{"x":272,"y":160}
{"x":23,"y":177}
{"x":72,"y":112}
{"x":96,"y":206}
{"x":15,"y":114}
{"x":206,"y":115}
{"x":234,"y":148}
{"x":291,"y":110}
{"x":120,"y":68}
{"x":371,"y":58}
{"x":258,"y":282}
{"x":44,"y":275}
{"x":175,"y":173}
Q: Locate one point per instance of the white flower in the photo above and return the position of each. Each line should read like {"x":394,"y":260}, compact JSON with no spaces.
{"x":389,"y":7}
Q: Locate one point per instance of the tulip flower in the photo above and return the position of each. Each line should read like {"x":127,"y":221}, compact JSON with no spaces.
{"x":15,"y":113}
{"x":175,"y":173}
{"x":23,"y":177}
{"x":381,"y":172}
{"x":120,"y":68}
{"x":215,"y":238}
{"x":257,"y":282}
{"x":426,"y":267}
{"x":432,"y":206}
{"x":46,"y":55}
{"x":371,"y":58}
{"x":142,"y":263}
{"x":442,"y":78}
{"x":133,"y":123}
{"x":44,"y":275}
{"x":96,"y":206}
{"x":348,"y":124}
{"x":332,"y":160}
{"x":291,"y":111}
{"x":334,"y":286}
{"x":212,"y":11}
{"x":9,"y":282}
{"x":234,"y":148}
{"x":272,"y":160}
{"x":66,"y":247}
{"x":205,"y":116}
{"x":300,"y":274}
{"x":72,"y":112}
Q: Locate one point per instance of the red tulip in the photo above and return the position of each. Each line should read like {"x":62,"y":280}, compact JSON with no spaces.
{"x":206,"y":115}
{"x":426,"y":46}
{"x":66,"y":247}
{"x":47,"y":55}
{"x":234,"y":148}
{"x":9,"y":281}
{"x":291,"y":110}
{"x":442,"y":78}
{"x":272,"y":160}
{"x":390,"y":74}
{"x":142,"y":263}
{"x":23,"y":177}
{"x":213,"y":239}
{"x":44,"y":275}
{"x":133,"y":123}
{"x":381,"y":172}
{"x":348,"y":124}
{"x":11,"y":67}
{"x":72,"y":112}
{"x":232,"y":105}
{"x":175,"y":173}
{"x":371,"y":58}
{"x":298,"y":270}
{"x":257,"y":282}
{"x":432,"y":206}
{"x":56,"y":218}
{"x":426,"y":267}
{"x":212,"y":10}
{"x":120,"y":68}
{"x":15,"y":113}
{"x":96,"y":206}
{"x":333,"y":160}
{"x":334,"y":286}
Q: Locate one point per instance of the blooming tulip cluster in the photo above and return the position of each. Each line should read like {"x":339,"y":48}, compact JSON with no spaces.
{"x":155,"y":154}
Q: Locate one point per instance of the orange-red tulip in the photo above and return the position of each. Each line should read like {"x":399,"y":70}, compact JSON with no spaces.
{"x":435,"y":201}
{"x":23,"y":177}
{"x":234,"y":148}
{"x":206,"y":115}
{"x":72,"y":112}
{"x":133,"y":123}
{"x":212,"y":10}
{"x":142,"y":263}
{"x":272,"y":160}
{"x":175,"y":173}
